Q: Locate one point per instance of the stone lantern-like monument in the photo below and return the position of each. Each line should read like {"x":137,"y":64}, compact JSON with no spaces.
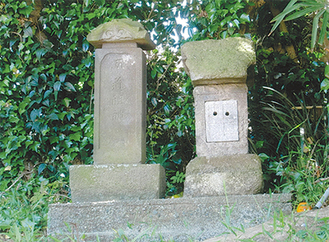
{"x":218,"y":70}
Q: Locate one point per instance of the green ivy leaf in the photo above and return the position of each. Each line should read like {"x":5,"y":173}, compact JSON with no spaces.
{"x":62,"y":77}
{"x":35,"y":146}
{"x":66,"y":102}
{"x":326,"y":71}
{"x":263,"y":156}
{"x":244,"y":18}
{"x":68,"y":143}
{"x":40,"y":52}
{"x":75,"y":136}
{"x":153,"y":73}
{"x":53,"y":116}
{"x":154,"y":101}
{"x":325,"y":85}
{"x":47,"y":93}
{"x":69,"y":87}
{"x":57,"y":86}
{"x":53,"y":139}
{"x":13,"y":119}
{"x":41,"y":168}
{"x":85,"y":46}
{"x":35,"y":114}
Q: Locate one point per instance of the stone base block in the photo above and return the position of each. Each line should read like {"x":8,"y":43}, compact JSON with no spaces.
{"x":94,"y":183}
{"x":225,"y":175}
{"x":180,"y":219}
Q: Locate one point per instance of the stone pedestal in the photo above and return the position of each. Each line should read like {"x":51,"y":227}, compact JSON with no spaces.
{"x":120,"y":120}
{"x":218,"y":70}
{"x":221,"y":175}
{"x":116,"y":182}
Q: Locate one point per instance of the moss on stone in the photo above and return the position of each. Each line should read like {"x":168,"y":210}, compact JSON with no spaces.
{"x":218,"y":59}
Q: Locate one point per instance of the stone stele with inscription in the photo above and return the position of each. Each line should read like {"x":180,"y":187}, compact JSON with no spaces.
{"x":119,"y":171}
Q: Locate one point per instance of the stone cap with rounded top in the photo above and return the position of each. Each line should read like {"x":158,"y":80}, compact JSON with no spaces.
{"x":121,"y":31}
{"x":218,"y":61}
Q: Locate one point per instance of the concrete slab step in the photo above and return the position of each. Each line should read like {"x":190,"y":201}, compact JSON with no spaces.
{"x":179,"y":219}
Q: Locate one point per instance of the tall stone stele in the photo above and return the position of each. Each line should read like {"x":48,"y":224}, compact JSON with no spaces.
{"x":119,"y":120}
{"x":218,"y":70}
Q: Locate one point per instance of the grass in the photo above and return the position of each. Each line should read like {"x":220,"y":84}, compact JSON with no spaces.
{"x":24,"y":219}
{"x":24,"y":208}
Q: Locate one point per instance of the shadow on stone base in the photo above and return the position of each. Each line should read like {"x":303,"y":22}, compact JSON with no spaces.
{"x":94,"y":183}
{"x":216,"y":176}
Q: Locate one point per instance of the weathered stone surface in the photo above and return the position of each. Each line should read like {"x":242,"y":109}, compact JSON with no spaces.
{"x":94,"y":183}
{"x":218,"y":70}
{"x":120,"y":105}
{"x":222,"y":121}
{"x":210,"y":93}
{"x":179,"y":219}
{"x":217,"y":176}
{"x":218,"y":61}
{"x":121,"y":30}
{"x":119,"y":120}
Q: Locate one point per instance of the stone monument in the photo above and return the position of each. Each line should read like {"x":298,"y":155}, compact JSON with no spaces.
{"x":119,"y":190}
{"x":119,"y":120}
{"x":218,"y":70}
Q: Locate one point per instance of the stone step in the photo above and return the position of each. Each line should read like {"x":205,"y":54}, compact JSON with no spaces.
{"x":179,"y":219}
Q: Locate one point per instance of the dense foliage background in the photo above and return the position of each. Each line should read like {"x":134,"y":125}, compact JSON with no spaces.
{"x":46,"y":94}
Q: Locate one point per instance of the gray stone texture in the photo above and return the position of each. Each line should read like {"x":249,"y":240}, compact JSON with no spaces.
{"x":222,"y":121}
{"x":119,"y":120}
{"x":120,"y":105}
{"x":218,"y":61}
{"x":180,"y":219}
{"x":217,"y":176}
{"x":203,"y":94}
{"x":94,"y":183}
{"x":218,"y":70}
{"x":121,"y":31}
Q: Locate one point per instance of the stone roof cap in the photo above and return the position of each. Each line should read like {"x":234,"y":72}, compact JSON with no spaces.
{"x":120,"y":31}
{"x":218,"y":61}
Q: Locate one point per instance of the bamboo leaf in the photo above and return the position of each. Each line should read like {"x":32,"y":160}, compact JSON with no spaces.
{"x":303,"y":12}
{"x":315,"y":27}
{"x":279,"y":18}
{"x":280,"y":141}
{"x":276,"y":24}
{"x":275,"y":111}
{"x":289,"y":8}
{"x":326,"y":71}
{"x":324,"y":27}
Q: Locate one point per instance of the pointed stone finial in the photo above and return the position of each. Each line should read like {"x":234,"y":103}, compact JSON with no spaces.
{"x":120,"y":31}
